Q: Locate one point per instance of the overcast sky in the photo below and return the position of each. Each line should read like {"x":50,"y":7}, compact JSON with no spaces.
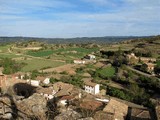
{"x":79,"y":18}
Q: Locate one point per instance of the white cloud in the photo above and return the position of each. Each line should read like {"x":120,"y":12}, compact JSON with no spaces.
{"x":25,"y":6}
{"x":137,"y":17}
{"x":101,"y":2}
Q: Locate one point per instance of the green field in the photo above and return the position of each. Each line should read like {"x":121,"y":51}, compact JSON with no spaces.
{"x":107,"y":72}
{"x":80,"y":52}
{"x":4,"y":48}
{"x":8,"y":55}
{"x":37,"y":64}
{"x":40,"y":53}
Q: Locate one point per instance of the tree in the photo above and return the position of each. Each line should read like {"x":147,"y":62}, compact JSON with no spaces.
{"x":144,"y":67}
{"x":26,"y":77}
{"x":157,"y":70}
{"x":53,"y":80}
{"x":34,"y":74}
{"x":139,"y":95}
{"x":10,"y":66}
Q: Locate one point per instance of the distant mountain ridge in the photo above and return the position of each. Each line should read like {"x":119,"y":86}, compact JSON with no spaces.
{"x":100,"y":40}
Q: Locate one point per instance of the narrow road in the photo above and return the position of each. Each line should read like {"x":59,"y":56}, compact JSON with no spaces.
{"x":140,"y":72}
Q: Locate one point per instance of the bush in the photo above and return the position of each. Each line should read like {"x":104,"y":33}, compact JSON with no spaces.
{"x":53,"y":80}
{"x":135,"y":94}
{"x":64,"y":73}
{"x":74,"y":80}
{"x":10,"y":66}
{"x":107,"y":72}
{"x":119,"y":93}
{"x":80,"y":70}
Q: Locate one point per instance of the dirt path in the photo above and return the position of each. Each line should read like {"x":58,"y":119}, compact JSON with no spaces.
{"x":9,"y":50}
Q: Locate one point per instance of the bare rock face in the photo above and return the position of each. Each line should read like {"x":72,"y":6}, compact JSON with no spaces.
{"x":35,"y":105}
{"x":6,"y":108}
{"x":68,"y":115}
{"x":88,"y":118}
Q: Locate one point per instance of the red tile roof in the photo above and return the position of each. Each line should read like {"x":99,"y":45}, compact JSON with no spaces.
{"x":89,"y":83}
{"x":67,"y":97}
{"x":91,"y":104}
{"x":40,"y":78}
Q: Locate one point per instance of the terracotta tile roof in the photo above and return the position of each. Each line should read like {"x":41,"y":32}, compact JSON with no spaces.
{"x":86,"y":75}
{"x":62,"y":88}
{"x":90,"y":104}
{"x":140,"y":113}
{"x":40,"y":78}
{"x":44,"y":90}
{"x":101,"y":115}
{"x":67,"y":97}
{"x":89,"y":83}
{"x":61,"y":93}
{"x":87,"y":79}
{"x":117,"y":108}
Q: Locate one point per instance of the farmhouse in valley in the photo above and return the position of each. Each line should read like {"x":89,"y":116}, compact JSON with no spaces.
{"x":79,"y":61}
{"x":90,"y":57}
{"x":132,"y":56}
{"x":91,"y":87}
{"x":34,"y":82}
{"x":43,"y":80}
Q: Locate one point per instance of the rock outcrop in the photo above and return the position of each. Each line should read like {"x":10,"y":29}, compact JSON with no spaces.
{"x":6,"y":108}
{"x":68,"y":115}
{"x":35,"y":106}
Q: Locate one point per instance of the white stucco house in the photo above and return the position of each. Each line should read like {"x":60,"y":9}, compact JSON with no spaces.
{"x":90,"y":57}
{"x":33,"y":82}
{"x":63,"y":101}
{"x":48,"y":93}
{"x":43,"y":80}
{"x":91,"y":87}
{"x":79,"y":61}
{"x":46,"y":81}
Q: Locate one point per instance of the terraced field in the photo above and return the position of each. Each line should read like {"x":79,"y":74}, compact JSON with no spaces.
{"x":38,"y":64}
{"x":75,"y":52}
{"x":42,"y":59}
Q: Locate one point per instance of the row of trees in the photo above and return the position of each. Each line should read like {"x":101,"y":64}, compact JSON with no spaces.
{"x":74,"y":80}
{"x":117,"y":57}
{"x":134,"y":94}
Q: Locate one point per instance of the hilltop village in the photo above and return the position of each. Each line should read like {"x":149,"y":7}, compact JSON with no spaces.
{"x":119,"y":81}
